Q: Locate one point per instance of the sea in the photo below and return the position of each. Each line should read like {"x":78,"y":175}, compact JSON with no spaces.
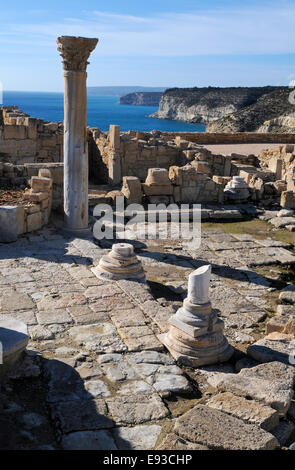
{"x":101,"y":112}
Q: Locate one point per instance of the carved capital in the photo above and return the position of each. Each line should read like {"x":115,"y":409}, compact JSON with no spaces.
{"x":75,"y":51}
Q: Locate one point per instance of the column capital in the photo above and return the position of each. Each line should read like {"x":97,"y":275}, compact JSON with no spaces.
{"x":75,"y":51}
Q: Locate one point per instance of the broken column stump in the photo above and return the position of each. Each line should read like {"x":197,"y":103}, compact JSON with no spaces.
{"x":195,"y":337}
{"x":120,"y":263}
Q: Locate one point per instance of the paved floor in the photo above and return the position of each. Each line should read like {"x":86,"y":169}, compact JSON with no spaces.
{"x":95,"y":375}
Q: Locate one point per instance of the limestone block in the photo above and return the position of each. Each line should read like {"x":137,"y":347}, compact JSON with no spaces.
{"x":9,"y":225}
{"x":201,"y":167}
{"x":34,"y":221}
{"x":288,"y":199}
{"x":114,"y":136}
{"x":181,"y":143}
{"x":31,"y":124}
{"x":13,"y":339}
{"x":250,"y":411}
{"x":21,"y":220}
{"x":15,"y":132}
{"x":154,"y":190}
{"x":221,"y":179}
{"x":175,"y":175}
{"x":44,"y":173}
{"x":290,"y":185}
{"x":40,"y":184}
{"x":220,"y":431}
{"x":35,"y":197}
{"x":276,"y":166}
{"x":47,"y":140}
{"x":157,"y":176}
{"x":132,"y":189}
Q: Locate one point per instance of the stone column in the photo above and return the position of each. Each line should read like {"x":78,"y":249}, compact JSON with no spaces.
{"x":75,"y":52}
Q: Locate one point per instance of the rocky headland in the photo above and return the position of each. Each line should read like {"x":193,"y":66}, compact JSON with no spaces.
{"x":272,"y":112}
{"x":142,"y":98}
{"x":253,"y":109}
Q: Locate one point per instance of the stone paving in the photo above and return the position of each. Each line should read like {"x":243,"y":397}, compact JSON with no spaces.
{"x":95,"y":375}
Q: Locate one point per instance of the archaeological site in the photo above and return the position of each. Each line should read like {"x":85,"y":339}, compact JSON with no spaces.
{"x":144,"y":339}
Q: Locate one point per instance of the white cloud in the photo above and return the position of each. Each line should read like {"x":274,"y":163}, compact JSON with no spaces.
{"x":245,"y":31}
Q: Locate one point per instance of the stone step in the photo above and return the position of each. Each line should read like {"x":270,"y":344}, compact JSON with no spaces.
{"x":250,"y":411}
{"x":271,"y":384}
{"x":220,"y":431}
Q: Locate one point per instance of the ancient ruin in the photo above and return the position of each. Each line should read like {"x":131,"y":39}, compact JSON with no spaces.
{"x":144,"y":343}
{"x":195,"y":337}
{"x":120,"y":263}
{"x":75,"y":52}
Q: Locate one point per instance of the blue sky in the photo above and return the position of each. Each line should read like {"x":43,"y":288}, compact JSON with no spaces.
{"x":150,"y":43}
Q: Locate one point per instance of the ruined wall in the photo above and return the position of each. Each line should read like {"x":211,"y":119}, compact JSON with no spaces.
{"x":24,"y":139}
{"x":19,"y":176}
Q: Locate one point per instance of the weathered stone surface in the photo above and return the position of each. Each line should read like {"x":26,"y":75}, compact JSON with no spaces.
{"x":271,"y":384}
{"x":116,"y":368}
{"x":64,"y":383}
{"x":97,"y":388}
{"x":89,"y":440}
{"x":137,"y":438}
{"x":61,"y":301}
{"x":137,"y":387}
{"x":274,"y":347}
{"x":281,"y":222}
{"x":174,"y":442}
{"x":8,"y":223}
{"x":13,"y":341}
{"x":53,"y":317}
{"x":249,"y":411}
{"x":136,"y":409}
{"x":100,"y":338}
{"x":219,"y":431}
{"x":282,"y":324}
{"x":283,"y":432}
{"x":89,"y":370}
{"x":81,"y":415}
{"x":288,"y":294}
{"x":16,"y":301}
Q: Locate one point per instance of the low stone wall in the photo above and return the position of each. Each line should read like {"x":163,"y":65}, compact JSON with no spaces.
{"x":18,"y":176}
{"x":24,"y":139}
{"x":30,"y":216}
{"x":233,"y":138}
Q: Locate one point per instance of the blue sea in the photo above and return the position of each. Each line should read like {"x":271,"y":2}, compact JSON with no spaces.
{"x":102,"y":111}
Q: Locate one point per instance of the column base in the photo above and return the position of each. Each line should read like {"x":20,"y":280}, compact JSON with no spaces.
{"x":202,"y":356}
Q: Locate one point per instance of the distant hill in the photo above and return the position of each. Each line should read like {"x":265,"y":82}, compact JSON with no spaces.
{"x":146,"y":98}
{"x":272,"y":112}
{"x":120,"y":90}
{"x":204,"y":105}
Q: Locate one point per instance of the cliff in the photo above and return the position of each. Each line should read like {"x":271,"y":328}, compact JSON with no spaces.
{"x":142,"y":98}
{"x":268,"y":114}
{"x":204,"y":105}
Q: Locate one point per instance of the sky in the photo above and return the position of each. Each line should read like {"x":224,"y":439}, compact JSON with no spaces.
{"x":167,"y":43}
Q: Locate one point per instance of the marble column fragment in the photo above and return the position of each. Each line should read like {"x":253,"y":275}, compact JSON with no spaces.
{"x":195,"y":337}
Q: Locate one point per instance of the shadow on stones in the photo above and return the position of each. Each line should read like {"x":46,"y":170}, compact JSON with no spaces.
{"x":54,"y":411}
{"x":220,"y":270}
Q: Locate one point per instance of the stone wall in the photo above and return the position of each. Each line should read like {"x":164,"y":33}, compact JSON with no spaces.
{"x":27,"y":140}
{"x":231,"y":138}
{"x":19,"y":176}
{"x":31,"y":215}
